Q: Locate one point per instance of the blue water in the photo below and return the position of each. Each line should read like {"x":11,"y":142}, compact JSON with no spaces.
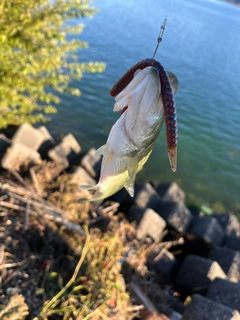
{"x":201,"y":45}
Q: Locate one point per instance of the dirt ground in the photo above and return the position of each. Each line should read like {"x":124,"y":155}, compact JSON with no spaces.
{"x":63,"y":260}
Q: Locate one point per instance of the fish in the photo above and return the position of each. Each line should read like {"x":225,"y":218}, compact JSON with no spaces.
{"x":145,"y":98}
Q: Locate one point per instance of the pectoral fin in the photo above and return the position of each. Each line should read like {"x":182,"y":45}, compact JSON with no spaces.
{"x":174,"y":81}
{"x":129,"y":186}
{"x":100,"y":151}
{"x":133,"y":165}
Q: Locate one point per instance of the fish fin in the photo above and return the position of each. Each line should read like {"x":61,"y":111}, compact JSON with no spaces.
{"x":174,"y":81}
{"x":133,"y":165}
{"x":100,"y":151}
{"x":129,"y":186}
{"x":95,"y":197}
{"x":83,"y":200}
{"x":85,"y":187}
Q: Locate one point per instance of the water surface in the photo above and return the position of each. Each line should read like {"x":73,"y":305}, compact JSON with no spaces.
{"x":201,"y":45}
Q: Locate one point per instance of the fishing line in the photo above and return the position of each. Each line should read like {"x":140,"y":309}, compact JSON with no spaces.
{"x":162,"y":29}
{"x":159,"y":39}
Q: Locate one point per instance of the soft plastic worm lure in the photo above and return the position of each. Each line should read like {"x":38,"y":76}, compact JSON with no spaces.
{"x":167,"y":96}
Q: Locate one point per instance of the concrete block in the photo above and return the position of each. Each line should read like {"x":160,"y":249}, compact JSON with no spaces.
{"x":66,"y":152}
{"x":146,"y":197}
{"x":28,"y":136}
{"x":175,"y":316}
{"x":176,"y":214}
{"x":208,"y":229}
{"x":232,"y":242}
{"x":225,"y":292}
{"x":201,"y":308}
{"x":48,"y":142}
{"x":229,"y":224}
{"x":81,"y":177}
{"x":171,"y":192}
{"x":149,"y":222}
{"x":228,"y":259}
{"x":44,"y":131}
{"x":162,"y":262}
{"x":18,"y":155}
{"x":135,"y":213}
{"x":91,"y":164}
{"x":197,"y":272}
{"x":161,"y":298}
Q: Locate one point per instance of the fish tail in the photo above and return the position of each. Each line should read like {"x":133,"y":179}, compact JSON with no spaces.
{"x":97,"y":196}
{"x":83,"y":200}
{"x":97,"y":200}
{"x":96,"y":203}
{"x":89,"y":188}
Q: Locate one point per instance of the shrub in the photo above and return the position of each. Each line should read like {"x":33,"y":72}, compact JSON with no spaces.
{"x":36,"y":55}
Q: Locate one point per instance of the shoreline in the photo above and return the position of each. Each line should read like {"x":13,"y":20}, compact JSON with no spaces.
{"x":150,"y":255}
{"x":192,"y":199}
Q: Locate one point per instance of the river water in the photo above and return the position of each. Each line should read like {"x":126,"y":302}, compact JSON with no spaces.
{"x":201,"y":45}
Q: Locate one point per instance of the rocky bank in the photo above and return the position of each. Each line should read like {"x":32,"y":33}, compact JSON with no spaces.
{"x":177,"y":263}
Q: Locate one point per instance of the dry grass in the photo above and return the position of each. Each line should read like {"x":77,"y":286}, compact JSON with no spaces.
{"x":48,"y":271}
{"x":96,"y":289}
{"x":15,"y":310}
{"x":90,"y":287}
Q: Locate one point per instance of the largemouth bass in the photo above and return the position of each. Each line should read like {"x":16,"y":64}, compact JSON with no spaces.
{"x":145,"y":97}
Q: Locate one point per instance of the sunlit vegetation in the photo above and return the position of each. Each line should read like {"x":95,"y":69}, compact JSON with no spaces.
{"x":38,"y":57}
